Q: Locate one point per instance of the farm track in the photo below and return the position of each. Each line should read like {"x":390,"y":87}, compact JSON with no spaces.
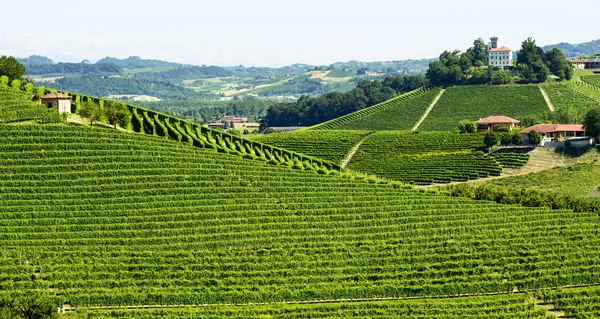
{"x":324,"y":301}
{"x":548,"y":100}
{"x":433,"y":103}
{"x":353,"y":151}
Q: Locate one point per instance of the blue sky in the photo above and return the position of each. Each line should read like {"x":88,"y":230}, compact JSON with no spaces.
{"x":279,"y":32}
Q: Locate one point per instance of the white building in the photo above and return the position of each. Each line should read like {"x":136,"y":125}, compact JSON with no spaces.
{"x":499,"y":57}
{"x":58,"y":101}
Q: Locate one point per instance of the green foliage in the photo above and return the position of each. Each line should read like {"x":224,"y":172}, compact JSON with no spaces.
{"x":32,"y":306}
{"x":570,"y":101}
{"x":534,"y":138}
{"x":491,"y":139}
{"x":510,"y":158}
{"x":185,"y":73}
{"x":17,"y":106}
{"x":4,"y":80}
{"x":16,"y":84}
{"x":466,"y":126}
{"x":592,"y":122}
{"x":117,"y":114}
{"x":11,"y":68}
{"x":475,"y":102}
{"x":92,"y":111}
{"x":516,"y":138}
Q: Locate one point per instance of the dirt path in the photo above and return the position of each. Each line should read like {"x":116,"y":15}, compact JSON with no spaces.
{"x":437,"y":98}
{"x":547,"y":98}
{"x":352,"y":152}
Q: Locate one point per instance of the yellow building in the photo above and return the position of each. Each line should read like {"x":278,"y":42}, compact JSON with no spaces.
{"x":494,"y":123}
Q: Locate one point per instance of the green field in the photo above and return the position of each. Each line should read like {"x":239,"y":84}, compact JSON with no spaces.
{"x":424,"y":158}
{"x":571,"y":104}
{"x":475,"y":102}
{"x":103,"y":217}
{"x":339,"y":73}
{"x":329,"y":145}
{"x":579,"y":180}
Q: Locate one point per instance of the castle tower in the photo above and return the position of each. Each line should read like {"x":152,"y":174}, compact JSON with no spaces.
{"x":494,"y":42}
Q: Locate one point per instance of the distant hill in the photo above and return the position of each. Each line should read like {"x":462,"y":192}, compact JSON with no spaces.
{"x":185,"y":73}
{"x":35,"y":59}
{"x":135,"y":62}
{"x":575,"y":50}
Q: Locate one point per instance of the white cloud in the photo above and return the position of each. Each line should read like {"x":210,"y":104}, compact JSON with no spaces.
{"x":95,"y":41}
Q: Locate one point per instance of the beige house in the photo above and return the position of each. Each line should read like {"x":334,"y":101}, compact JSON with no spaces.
{"x":578,"y":64}
{"x":494,"y":123}
{"x":58,"y":101}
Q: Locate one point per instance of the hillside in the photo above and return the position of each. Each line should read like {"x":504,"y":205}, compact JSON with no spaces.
{"x":576,"y":50}
{"x":399,"y":113}
{"x":17,"y":106}
{"x":103,"y":218}
{"x":475,"y":102}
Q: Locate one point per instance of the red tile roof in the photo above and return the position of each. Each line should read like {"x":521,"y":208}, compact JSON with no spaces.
{"x":549,"y":128}
{"x":576,"y":60}
{"x":56,"y":95}
{"x":501,"y":49}
{"x":497,"y":119}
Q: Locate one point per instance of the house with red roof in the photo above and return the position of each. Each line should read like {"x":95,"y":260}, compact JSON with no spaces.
{"x":555,"y":132}
{"x":58,"y":101}
{"x":494,"y":123}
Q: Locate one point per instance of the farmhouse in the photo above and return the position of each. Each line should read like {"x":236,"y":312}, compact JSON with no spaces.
{"x":578,"y":64}
{"x":494,"y":123}
{"x":499,"y":57}
{"x":58,"y":101}
{"x":555,"y":132}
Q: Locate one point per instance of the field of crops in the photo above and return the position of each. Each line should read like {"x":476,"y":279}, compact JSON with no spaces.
{"x":577,"y":303}
{"x":101,"y":217}
{"x":16,"y":106}
{"x":570,"y":102}
{"x":403,"y":114}
{"x":501,"y":306}
{"x":329,"y":145}
{"x":425,"y":157}
{"x":399,"y":113}
{"x":475,"y":102}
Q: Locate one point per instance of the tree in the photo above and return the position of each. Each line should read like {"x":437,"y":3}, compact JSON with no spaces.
{"x":490,"y":139}
{"x":516,"y":138}
{"x":502,"y":77}
{"x":10,"y":67}
{"x":117,"y":114}
{"x":557,"y":64}
{"x":505,"y":138}
{"x":534,"y":138}
{"x":92,"y":111}
{"x":466,"y":126}
{"x":592,"y":123}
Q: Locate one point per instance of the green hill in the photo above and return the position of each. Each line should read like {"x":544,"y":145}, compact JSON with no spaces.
{"x":17,"y":106}
{"x":475,"y":102}
{"x":329,"y":145}
{"x":100,"y":217}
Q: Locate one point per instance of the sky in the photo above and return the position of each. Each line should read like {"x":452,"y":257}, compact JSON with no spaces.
{"x":283,"y":32}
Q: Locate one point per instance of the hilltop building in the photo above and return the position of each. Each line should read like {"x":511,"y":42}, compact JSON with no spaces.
{"x":578,"y":64}
{"x":58,"y":101}
{"x":557,"y":133}
{"x":494,"y":123}
{"x":499,"y":57}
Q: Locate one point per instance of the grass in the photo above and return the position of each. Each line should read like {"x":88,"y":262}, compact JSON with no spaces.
{"x":580,"y":180}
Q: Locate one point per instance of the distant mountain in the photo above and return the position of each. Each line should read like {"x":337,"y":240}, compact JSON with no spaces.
{"x":185,"y":73}
{"x":576,"y":50}
{"x":35,"y":59}
{"x":135,"y":62}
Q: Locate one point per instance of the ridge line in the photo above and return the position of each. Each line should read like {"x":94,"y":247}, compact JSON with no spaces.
{"x":433,"y":103}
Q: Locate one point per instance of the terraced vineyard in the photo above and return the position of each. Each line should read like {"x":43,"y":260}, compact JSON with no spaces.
{"x":329,"y":145}
{"x":105,"y":218}
{"x":475,"y":102}
{"x":399,"y":113}
{"x":17,"y":106}
{"x":577,"y":303}
{"x":592,"y":79}
{"x":510,"y":159}
{"x":424,"y":158}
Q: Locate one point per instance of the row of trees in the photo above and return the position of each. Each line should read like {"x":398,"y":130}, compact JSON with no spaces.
{"x":312,"y":110}
{"x":114,"y":112}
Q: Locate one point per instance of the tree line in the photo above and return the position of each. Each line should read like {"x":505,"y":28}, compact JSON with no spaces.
{"x":313,"y":110}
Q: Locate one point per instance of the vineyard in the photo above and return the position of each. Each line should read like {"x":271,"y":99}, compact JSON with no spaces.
{"x":332,"y":145}
{"x":475,"y":102}
{"x":571,"y":104}
{"x":106,"y":218}
{"x":424,"y":158}
{"x":577,"y":303}
{"x":502,"y":306}
{"x":591,"y":79}
{"x":17,"y":106}
{"x":510,"y":159}
{"x":399,"y":113}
